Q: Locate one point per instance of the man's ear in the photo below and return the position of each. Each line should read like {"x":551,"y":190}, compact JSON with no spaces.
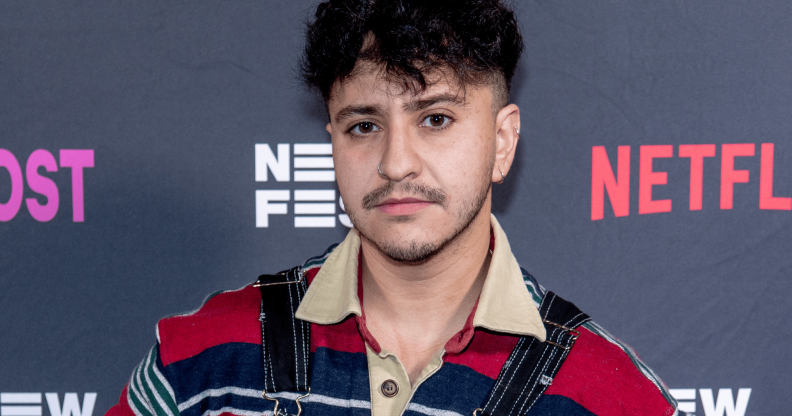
{"x":507,"y":133}
{"x":329,"y":128}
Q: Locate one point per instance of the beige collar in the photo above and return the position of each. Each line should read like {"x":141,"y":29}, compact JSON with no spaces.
{"x":505,"y":305}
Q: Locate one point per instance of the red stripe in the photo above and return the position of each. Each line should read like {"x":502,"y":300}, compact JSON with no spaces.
{"x":122,"y":407}
{"x":227,"y":317}
{"x":343,"y":336}
{"x":486,"y":353}
{"x":600,"y":376}
{"x":311,"y":273}
{"x":229,"y":414}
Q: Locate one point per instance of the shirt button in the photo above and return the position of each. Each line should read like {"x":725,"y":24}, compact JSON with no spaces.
{"x":389,"y":388}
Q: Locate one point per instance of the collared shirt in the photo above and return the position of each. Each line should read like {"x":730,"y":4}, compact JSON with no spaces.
{"x":505,"y":305}
{"x":209,"y":362}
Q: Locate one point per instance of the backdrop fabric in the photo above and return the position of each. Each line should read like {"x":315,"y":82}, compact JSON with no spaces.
{"x":152,"y":153}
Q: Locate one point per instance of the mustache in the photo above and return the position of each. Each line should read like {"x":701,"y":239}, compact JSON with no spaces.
{"x":375,"y":197}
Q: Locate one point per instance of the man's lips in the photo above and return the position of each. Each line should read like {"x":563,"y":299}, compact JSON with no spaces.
{"x":402,"y":206}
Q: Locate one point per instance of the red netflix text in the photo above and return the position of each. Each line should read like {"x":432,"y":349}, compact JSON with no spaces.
{"x":616,"y":182}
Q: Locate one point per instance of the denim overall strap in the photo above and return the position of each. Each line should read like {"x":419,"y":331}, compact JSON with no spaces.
{"x":285,"y":340}
{"x":532,"y":364}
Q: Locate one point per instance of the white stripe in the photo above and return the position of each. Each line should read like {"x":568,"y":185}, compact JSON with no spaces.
{"x":314,"y":176}
{"x":313,"y":149}
{"x":430,"y":411}
{"x":294,"y":336}
{"x":302,"y":208}
{"x":217,"y":393}
{"x":332,"y":401}
{"x":160,"y":402}
{"x":312,"y":398}
{"x":689,"y":407}
{"x":313,"y":162}
{"x":315,"y":222}
{"x":20,"y":410}
{"x":157,"y":396}
{"x":137,"y":387}
{"x":131,"y":404}
{"x":153,"y":389}
{"x":314,"y":195}
{"x":139,"y":390}
{"x":683,"y":394}
{"x":235,"y":411}
{"x":164,"y":382}
{"x":20,"y":398}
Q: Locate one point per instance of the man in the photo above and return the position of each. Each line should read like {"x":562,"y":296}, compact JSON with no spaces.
{"x":422,"y":309}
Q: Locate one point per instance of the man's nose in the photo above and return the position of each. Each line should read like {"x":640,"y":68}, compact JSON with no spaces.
{"x":401,"y":158}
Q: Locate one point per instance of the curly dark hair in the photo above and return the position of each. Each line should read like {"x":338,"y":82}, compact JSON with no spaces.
{"x":476,"y":40}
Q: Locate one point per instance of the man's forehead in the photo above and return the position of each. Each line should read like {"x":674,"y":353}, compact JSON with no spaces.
{"x":367,"y":80}
{"x":377,"y":88}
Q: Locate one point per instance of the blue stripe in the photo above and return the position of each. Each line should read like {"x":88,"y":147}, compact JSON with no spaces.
{"x":334,"y":374}
{"x":554,"y":405}
{"x":233,"y":364}
{"x":340,"y":374}
{"x":454,"y":387}
{"x":257,"y":404}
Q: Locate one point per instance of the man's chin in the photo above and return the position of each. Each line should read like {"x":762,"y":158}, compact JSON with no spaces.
{"x":412,"y":253}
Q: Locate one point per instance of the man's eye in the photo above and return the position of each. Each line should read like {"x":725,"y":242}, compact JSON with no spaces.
{"x":436,"y":120}
{"x":364,"y":128}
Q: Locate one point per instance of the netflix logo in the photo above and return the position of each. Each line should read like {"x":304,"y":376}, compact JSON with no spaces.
{"x":613,"y":180}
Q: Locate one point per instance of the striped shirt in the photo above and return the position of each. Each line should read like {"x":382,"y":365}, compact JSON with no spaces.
{"x":209,"y":363}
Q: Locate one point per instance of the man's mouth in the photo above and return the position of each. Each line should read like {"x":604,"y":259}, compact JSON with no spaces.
{"x":402,"y":206}
{"x":422,"y":197}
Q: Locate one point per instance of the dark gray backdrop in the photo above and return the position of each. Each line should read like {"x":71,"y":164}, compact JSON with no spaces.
{"x":172,"y":97}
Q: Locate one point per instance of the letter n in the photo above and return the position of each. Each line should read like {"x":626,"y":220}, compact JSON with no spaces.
{"x":617,"y":186}
{"x":71,"y":404}
{"x":278,"y":165}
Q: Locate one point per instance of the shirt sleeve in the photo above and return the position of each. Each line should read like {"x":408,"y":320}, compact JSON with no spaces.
{"x":148,"y":392}
{"x":606,"y":377}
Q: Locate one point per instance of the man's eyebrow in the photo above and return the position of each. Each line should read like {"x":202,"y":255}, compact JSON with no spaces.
{"x":444,"y":98}
{"x":356,"y":110}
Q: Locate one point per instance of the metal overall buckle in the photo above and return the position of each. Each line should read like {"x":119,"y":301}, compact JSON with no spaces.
{"x":574,"y":334}
{"x":280,"y":412}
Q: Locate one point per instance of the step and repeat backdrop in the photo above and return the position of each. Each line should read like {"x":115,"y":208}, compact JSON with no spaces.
{"x":152,"y":153}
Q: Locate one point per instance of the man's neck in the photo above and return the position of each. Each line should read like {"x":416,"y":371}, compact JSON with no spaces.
{"x":412,"y":310}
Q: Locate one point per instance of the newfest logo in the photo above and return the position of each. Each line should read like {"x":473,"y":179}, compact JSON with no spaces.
{"x":724,"y":404}
{"x":616,"y":182}
{"x":29,"y":404}
{"x":314,"y":207}
{"x":74,"y":159}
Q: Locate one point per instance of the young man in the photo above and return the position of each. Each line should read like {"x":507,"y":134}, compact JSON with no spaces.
{"x":422,"y":309}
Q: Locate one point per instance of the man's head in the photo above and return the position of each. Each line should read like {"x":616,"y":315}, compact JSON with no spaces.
{"x":416,"y":93}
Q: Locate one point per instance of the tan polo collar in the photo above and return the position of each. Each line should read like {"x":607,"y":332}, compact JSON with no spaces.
{"x":505,"y":305}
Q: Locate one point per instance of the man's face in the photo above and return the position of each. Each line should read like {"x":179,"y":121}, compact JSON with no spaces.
{"x":435,"y":150}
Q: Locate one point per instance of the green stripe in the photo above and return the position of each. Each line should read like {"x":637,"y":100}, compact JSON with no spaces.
{"x":536,"y":298}
{"x":163,"y":391}
{"x":313,"y":261}
{"x":149,"y":392}
{"x":134,"y":389}
{"x":146,"y":390}
{"x":133,"y":397}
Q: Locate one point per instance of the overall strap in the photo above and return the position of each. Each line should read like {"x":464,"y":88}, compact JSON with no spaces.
{"x":285,"y":340}
{"x":532,"y":364}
